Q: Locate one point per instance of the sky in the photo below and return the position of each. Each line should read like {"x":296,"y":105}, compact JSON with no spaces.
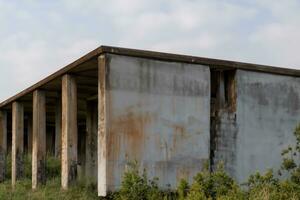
{"x":40,"y":37}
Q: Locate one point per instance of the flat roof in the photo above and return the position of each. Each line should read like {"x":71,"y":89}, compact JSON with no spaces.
{"x":213,"y":63}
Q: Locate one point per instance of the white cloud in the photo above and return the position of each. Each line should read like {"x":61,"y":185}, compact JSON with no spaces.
{"x":39,"y":37}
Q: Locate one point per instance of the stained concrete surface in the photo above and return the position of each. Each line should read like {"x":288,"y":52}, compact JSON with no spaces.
{"x":158,"y":115}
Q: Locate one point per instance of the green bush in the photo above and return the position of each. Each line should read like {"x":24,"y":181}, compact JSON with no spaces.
{"x":290,"y":163}
{"x":281,"y":190}
{"x":210,"y":185}
{"x":183,"y":189}
{"x":136,"y":186}
{"x":207,"y":185}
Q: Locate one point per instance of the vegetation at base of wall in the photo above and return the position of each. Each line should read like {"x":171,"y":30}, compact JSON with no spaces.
{"x":217,"y":185}
{"x":208,"y":185}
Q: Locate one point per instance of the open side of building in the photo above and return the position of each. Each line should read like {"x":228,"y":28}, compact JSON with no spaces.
{"x":171,"y":113}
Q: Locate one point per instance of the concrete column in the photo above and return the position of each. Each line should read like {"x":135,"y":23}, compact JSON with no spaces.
{"x":102,"y":132}
{"x":39,"y":139}
{"x":17,"y":161}
{"x":221,"y":91}
{"x":81,"y":153}
{"x":3,"y":144}
{"x":91,"y":142}
{"x":29,"y":134}
{"x":69,"y":131}
{"x":58,"y":116}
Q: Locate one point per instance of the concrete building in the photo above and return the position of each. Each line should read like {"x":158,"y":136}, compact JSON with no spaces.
{"x":171,"y":113}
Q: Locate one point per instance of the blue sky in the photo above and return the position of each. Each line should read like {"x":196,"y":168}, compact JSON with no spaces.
{"x":39,"y":37}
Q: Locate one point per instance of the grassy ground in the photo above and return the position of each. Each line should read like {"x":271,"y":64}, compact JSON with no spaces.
{"x":51,"y":190}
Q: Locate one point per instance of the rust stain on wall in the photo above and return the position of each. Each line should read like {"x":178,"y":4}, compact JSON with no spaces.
{"x":180,"y":134}
{"x":128,"y":129}
{"x":127,"y":136}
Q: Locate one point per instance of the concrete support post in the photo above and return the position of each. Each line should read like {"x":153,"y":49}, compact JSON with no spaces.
{"x":39,"y":139}
{"x":17,"y":160}
{"x":102,"y":133}
{"x":58,"y":116}
{"x":81,"y":154}
{"x":221,"y":91}
{"x":69,"y":131}
{"x":3,"y":144}
{"x":91,"y":142}
{"x":29,"y":134}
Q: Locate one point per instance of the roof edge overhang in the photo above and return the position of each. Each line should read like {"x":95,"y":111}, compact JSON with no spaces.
{"x":213,"y":63}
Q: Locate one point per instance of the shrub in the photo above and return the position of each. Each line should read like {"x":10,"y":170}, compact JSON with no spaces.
{"x":291,"y":158}
{"x":183,"y":189}
{"x":211,"y":185}
{"x":136,"y":186}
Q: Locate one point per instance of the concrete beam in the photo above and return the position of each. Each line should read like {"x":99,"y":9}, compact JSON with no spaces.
{"x":69,"y":131}
{"x":3,"y":144}
{"x":102,"y":133}
{"x":17,"y":160}
{"x":58,"y":116}
{"x":91,"y":142}
{"x":39,"y":139}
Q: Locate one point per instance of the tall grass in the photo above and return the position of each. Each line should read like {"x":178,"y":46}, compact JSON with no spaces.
{"x":52,"y":189}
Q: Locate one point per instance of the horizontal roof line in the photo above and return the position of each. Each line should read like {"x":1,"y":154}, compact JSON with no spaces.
{"x":200,"y":60}
{"x":216,"y":63}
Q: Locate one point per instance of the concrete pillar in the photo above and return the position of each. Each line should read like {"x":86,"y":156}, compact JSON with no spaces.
{"x":69,"y":131}
{"x":29,"y":134}
{"x":102,"y":133}
{"x":17,"y":160}
{"x":91,"y":142}
{"x":221,"y":91}
{"x":81,"y":153}
{"x":3,"y":144}
{"x":39,"y":139}
{"x":58,"y":129}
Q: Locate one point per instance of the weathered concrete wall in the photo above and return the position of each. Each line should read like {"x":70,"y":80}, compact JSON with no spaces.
{"x":223,"y":120}
{"x":268,"y":110}
{"x":158,"y":113}
{"x":225,"y":141}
